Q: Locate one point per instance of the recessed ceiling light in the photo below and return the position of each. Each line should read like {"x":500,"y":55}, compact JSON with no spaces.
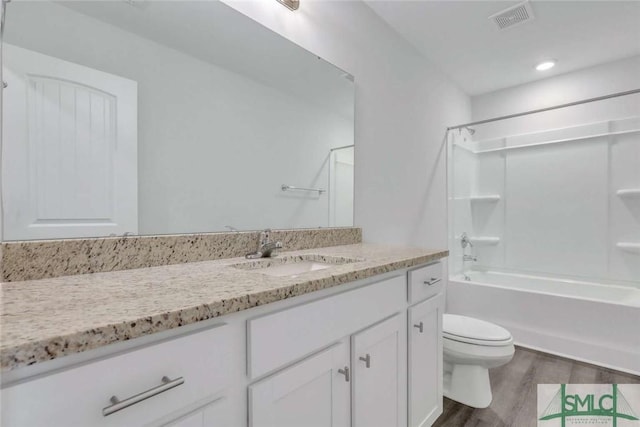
{"x":543,"y":66}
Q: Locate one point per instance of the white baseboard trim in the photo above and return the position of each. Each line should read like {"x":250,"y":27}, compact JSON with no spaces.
{"x":618,"y":359}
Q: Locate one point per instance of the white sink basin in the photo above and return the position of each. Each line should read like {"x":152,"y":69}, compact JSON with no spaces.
{"x":293,"y":266}
{"x":293,"y":270}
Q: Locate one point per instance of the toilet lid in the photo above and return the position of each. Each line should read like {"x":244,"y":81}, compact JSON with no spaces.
{"x":469,"y":329}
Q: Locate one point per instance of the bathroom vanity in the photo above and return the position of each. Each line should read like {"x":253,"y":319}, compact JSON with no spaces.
{"x":231,"y":342}
{"x":180,"y":125}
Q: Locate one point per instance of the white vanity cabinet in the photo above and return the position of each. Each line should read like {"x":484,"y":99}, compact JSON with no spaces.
{"x":385,"y":390}
{"x":320,"y":390}
{"x":365,"y":354}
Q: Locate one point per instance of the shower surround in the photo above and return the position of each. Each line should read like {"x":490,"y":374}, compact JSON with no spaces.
{"x":553,"y":218}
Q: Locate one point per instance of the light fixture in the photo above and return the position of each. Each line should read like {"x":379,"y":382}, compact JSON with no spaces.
{"x":544,"y":66}
{"x":290,"y":4}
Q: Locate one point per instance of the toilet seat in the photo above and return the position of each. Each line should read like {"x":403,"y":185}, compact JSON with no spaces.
{"x":469,"y":330}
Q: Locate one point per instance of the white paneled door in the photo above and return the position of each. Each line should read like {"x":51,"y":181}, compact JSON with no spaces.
{"x":69,"y":149}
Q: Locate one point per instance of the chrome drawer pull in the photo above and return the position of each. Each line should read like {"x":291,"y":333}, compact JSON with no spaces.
{"x":345,"y":372}
{"x":118,"y":405}
{"x":366,"y":360}
{"x":431,"y":282}
{"x":420,"y":326}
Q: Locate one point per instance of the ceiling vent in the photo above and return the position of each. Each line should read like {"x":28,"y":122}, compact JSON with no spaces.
{"x":513,"y":16}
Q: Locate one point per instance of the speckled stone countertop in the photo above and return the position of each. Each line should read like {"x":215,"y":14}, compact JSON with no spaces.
{"x":43,"y":259}
{"x":49,"y":318}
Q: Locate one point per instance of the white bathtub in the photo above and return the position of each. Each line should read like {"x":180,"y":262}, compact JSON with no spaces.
{"x":595,"y":323}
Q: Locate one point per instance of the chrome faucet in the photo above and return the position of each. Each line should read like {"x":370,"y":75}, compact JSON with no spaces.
{"x":266,"y":248}
{"x":465,"y":241}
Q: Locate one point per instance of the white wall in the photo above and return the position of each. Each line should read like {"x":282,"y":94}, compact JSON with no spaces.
{"x":559,"y":213}
{"x":403,"y":105}
{"x":591,"y":82}
{"x":202,"y":164}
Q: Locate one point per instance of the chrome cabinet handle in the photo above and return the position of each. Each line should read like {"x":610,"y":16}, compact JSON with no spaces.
{"x":433,"y":281}
{"x":345,"y":372}
{"x":366,"y":360}
{"x":118,"y":405}
{"x":420,"y":326}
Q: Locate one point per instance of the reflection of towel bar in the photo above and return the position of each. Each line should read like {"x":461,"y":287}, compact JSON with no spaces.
{"x":286,"y":187}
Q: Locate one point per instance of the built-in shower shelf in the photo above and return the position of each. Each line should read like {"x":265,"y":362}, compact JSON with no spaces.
{"x":628,"y":246}
{"x":629,"y":192}
{"x":487,"y":198}
{"x":484,"y":241}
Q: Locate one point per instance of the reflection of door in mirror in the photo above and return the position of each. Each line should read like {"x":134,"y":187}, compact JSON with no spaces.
{"x":71,"y":137}
{"x":341,"y":187}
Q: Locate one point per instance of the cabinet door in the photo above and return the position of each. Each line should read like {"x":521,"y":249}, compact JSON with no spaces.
{"x":195,"y":419}
{"x":379,"y":378}
{"x":312,"y":393}
{"x":211,"y":414}
{"x":425,"y":362}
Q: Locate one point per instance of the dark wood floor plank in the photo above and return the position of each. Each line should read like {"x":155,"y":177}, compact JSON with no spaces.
{"x":526,"y":366}
{"x":583,"y":374}
{"x":515,"y":384}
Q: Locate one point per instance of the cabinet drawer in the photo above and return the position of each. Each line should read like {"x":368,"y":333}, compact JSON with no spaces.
{"x":280,"y":338}
{"x":201,"y":359}
{"x":425,"y":282}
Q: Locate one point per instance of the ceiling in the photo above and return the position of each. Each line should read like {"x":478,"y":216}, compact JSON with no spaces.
{"x":459,"y":38}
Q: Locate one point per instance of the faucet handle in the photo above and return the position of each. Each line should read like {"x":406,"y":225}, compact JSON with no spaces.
{"x":264,"y":237}
{"x":465,"y":241}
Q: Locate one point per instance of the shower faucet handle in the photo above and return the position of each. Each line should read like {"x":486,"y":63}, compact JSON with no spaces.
{"x":465,"y":241}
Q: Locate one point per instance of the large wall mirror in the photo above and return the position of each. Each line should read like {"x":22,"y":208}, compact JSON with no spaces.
{"x":145,"y":117}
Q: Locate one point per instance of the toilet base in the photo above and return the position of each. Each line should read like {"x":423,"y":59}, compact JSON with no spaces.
{"x":468,"y":384}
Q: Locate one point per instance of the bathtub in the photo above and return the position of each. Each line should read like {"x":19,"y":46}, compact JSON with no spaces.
{"x":591,"y":322}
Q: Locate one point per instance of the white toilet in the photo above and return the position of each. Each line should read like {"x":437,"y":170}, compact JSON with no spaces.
{"x":471,"y":347}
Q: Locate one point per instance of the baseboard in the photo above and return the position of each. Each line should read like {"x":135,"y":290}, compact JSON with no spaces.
{"x":618,"y":359}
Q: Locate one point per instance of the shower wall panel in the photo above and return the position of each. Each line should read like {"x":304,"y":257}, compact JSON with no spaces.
{"x":556,"y":216}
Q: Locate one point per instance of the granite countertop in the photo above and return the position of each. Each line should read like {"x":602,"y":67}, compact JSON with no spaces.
{"x":45,"y":319}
